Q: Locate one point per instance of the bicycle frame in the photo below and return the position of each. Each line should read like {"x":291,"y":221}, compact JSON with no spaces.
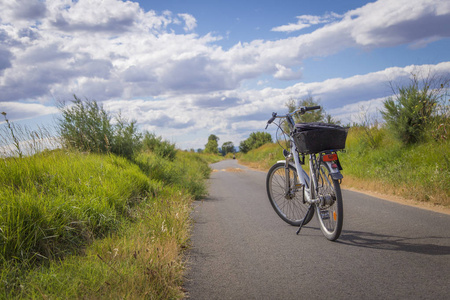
{"x":302,"y":176}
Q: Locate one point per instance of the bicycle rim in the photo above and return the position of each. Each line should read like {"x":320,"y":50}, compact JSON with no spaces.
{"x":330,"y":214}
{"x":291,"y":208}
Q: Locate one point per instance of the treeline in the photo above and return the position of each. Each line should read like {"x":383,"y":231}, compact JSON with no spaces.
{"x":254,"y":141}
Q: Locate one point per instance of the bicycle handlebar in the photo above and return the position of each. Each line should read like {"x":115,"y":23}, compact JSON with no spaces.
{"x":302,"y":110}
{"x":312,"y":107}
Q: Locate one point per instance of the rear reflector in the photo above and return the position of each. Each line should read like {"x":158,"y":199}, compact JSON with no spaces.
{"x":330,"y":157}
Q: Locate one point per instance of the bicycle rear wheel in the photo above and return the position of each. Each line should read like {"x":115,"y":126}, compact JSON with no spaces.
{"x":330,"y":211}
{"x":289,"y":205}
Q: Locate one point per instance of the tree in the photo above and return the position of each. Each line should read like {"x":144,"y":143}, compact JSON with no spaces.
{"x":212,"y":146}
{"x":255,"y":140}
{"x":312,"y":116}
{"x":412,"y":108}
{"x":244,"y":147}
{"x":227,"y":147}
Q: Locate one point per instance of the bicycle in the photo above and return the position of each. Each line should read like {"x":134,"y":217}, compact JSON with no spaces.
{"x":294,"y":194}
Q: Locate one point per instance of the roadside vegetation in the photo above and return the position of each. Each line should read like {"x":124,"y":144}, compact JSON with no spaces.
{"x":417,"y":172}
{"x":96,"y":219}
{"x":407,"y":155}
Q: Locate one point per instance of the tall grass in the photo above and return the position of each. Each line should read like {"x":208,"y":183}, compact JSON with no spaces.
{"x":17,"y":140}
{"x":186,"y":173}
{"x":54,"y":202}
{"x":83,"y":225}
{"x":141,"y":261}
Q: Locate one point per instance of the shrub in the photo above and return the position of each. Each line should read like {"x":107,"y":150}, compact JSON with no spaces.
{"x":409,"y":113}
{"x":160,"y":147}
{"x":126,"y":140}
{"x":86,"y":126}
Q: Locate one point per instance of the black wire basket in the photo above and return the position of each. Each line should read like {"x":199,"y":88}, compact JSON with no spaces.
{"x":319,"y":137}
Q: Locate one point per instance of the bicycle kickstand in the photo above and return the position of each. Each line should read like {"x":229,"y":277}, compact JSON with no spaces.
{"x":303,"y":221}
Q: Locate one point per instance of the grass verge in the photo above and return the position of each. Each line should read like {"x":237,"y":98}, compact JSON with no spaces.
{"x":419,"y":173}
{"x":77,"y":225}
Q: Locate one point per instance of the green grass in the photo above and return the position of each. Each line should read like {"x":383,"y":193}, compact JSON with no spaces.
{"x":76,"y":225}
{"x":263,"y":157}
{"x":375,"y":161}
{"x":420,"y":172}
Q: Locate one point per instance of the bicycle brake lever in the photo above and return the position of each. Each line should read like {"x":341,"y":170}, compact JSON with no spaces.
{"x":274,"y":115}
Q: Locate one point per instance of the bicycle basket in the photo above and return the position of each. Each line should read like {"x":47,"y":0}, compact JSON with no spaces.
{"x":318,"y":137}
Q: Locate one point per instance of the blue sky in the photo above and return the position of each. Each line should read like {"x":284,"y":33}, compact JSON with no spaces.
{"x":186,"y":69}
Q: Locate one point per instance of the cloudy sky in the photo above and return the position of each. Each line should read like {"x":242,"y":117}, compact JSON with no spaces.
{"x":186,"y":69}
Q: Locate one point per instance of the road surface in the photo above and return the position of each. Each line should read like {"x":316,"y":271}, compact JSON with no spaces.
{"x":241,"y":249}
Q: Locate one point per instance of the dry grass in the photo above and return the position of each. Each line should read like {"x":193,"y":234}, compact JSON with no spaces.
{"x":396,"y":194}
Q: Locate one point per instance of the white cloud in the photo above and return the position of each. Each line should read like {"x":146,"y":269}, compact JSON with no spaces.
{"x":284,"y":73}
{"x":110,"y":50}
{"x":17,"y":111}
{"x":189,"y":20}
{"x":306,"y":21}
{"x":237,"y":113}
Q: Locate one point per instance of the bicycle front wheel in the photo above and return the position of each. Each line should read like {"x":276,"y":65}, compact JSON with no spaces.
{"x":289,"y":204}
{"x":330,"y":210}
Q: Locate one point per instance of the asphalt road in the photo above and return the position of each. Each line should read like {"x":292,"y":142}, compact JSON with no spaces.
{"x":241,"y":249}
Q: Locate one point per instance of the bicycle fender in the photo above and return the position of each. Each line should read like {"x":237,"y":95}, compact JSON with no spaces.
{"x":335,"y":173}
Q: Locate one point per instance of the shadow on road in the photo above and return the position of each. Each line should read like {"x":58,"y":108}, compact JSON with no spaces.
{"x":421,"y":245}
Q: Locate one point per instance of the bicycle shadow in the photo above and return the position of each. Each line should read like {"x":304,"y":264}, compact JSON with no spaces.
{"x":420,"y":245}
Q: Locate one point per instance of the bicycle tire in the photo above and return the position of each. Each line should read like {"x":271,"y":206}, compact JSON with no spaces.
{"x":291,"y":209}
{"x":330,"y":214}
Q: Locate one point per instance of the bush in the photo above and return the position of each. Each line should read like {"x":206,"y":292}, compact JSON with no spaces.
{"x":126,"y":139}
{"x":86,"y":126}
{"x":160,"y":147}
{"x":409,"y":113}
